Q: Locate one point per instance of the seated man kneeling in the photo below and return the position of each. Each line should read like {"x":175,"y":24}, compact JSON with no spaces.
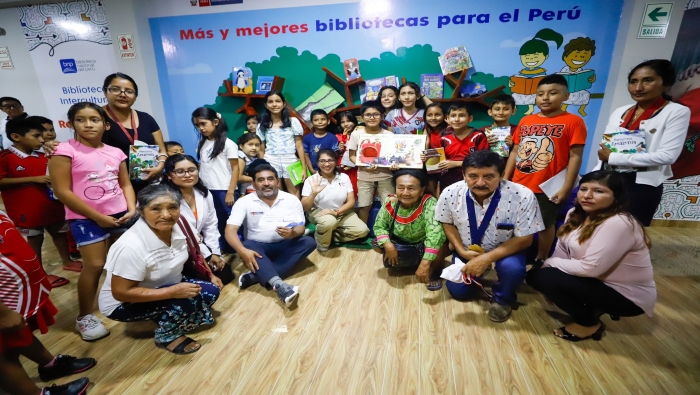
{"x":488,"y":220}
{"x":275,"y":241}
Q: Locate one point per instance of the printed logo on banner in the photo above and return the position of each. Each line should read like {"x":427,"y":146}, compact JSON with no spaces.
{"x":68,"y":66}
{"x":207,"y":3}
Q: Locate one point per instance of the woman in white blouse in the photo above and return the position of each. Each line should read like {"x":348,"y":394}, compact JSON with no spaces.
{"x":663,"y":125}
{"x":328,"y":198}
{"x":181,"y":173}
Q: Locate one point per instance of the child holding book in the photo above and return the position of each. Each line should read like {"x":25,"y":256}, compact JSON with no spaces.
{"x":502,"y":108}
{"x":317,"y":140}
{"x":459,"y":140}
{"x":408,"y":118}
{"x":547,"y":144}
{"x":282,"y":139}
{"x":219,"y":165}
{"x":248,"y":151}
{"x":92,"y":181}
{"x":174,"y":148}
{"x":251,"y":124}
{"x":23,"y":185}
{"x":347,"y":122}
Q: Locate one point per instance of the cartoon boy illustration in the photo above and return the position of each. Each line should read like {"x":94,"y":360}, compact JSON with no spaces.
{"x":534,"y":154}
{"x":577,"y":53}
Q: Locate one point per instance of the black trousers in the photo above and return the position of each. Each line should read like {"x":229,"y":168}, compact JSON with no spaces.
{"x":643,"y":200}
{"x":583,"y":298}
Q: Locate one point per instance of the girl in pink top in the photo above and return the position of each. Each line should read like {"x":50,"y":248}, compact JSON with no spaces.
{"x":601,"y":264}
{"x":91,"y":179}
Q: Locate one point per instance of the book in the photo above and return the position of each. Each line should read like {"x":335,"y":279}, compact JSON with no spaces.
{"x":352,"y":69}
{"x":625,"y":142}
{"x":433,"y":158}
{"x":325,"y":98}
{"x":385,"y":149}
{"x":501,"y":132}
{"x":295,"y":170}
{"x":431,"y":85}
{"x":142,"y":157}
{"x":454,"y":60}
{"x":370,"y":89}
{"x":578,"y":81}
{"x":525,"y":85}
{"x":264,"y":84}
{"x":242,"y":80}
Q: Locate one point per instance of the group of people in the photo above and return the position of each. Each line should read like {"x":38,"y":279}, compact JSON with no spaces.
{"x":164,"y":238}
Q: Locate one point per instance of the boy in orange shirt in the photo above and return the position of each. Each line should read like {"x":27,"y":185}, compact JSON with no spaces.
{"x":546,"y":144}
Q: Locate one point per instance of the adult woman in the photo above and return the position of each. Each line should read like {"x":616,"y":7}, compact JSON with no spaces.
{"x":663,"y":125}
{"x":144,"y":275}
{"x":414,"y":222}
{"x":197,"y":207}
{"x":601,"y":264}
{"x":329,"y":199}
{"x":128,"y":125}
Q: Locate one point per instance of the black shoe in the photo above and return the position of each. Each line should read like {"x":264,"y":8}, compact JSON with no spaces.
{"x":66,"y":365}
{"x":597,"y":335}
{"x":77,"y":387}
{"x":537,"y":263}
{"x":75,"y":256}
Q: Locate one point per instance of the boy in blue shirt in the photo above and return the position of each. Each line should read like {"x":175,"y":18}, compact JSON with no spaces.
{"x":318,"y":140}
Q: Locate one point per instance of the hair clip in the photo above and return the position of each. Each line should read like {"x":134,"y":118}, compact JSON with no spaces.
{"x":218,"y":115}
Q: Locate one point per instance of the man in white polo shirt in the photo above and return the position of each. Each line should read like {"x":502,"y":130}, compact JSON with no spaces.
{"x":274,"y":240}
{"x":488,"y":220}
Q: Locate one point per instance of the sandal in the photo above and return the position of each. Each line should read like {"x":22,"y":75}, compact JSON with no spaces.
{"x":434,"y":284}
{"x":57,"y":281}
{"x":180,"y":348}
{"x":597,"y":335}
{"x":75,"y":266}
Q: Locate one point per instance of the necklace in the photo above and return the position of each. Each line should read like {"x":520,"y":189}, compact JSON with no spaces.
{"x":189,"y":201}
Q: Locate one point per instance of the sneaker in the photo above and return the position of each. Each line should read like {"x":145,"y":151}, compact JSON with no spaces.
{"x":246,"y":279}
{"x":91,"y":328}
{"x":288,"y":294}
{"x":77,"y":387}
{"x":65,"y":365}
{"x":322,"y":249}
{"x":75,"y":255}
{"x":499,"y":312}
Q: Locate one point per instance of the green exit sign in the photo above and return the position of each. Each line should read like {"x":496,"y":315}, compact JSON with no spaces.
{"x":655,"y":20}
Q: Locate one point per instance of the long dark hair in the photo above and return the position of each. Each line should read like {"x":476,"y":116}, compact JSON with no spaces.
{"x":614,"y":181}
{"x":170,"y":167}
{"x":350,"y":117}
{"x":408,"y":84}
{"x":396,"y":93}
{"x":443,"y":124}
{"x":220,"y":133}
{"x":266,"y":117}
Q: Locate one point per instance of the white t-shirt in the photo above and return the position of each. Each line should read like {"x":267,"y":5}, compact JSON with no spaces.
{"x":139,"y":255}
{"x":261,"y":220}
{"x":332,"y":196}
{"x":216,"y":173}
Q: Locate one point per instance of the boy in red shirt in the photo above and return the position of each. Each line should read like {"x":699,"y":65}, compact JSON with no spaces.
{"x":502,"y":108}
{"x":459,"y":141}
{"x":545,"y":145}
{"x":23,"y":184}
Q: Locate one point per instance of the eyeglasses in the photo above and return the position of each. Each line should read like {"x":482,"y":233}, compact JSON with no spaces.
{"x":326,"y":161}
{"x":372,"y":115}
{"x":118,"y":91}
{"x":8,"y":107}
{"x":181,"y":172}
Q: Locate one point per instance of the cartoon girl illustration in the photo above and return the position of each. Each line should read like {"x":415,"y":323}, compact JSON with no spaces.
{"x":577,"y":53}
{"x":532,"y":55}
{"x":241,"y":81}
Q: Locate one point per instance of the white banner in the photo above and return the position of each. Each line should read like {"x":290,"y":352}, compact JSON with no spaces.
{"x":71,"y":48}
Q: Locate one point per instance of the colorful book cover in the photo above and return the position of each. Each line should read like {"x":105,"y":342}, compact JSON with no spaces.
{"x":264,"y":84}
{"x":525,"y":85}
{"x":391,"y":80}
{"x":372,"y":88}
{"x":578,"y":81}
{"x":325,"y":98}
{"x":431,"y":85}
{"x":242,"y":80}
{"x":352,"y":69}
{"x":625,"y":142}
{"x":295,"y":170}
{"x":454,"y":60}
{"x":384,"y":149}
{"x":502,"y":133}
{"x":433,"y":158}
{"x":142,"y":157}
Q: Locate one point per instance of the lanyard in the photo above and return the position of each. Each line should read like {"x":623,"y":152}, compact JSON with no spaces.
{"x":477,"y":232}
{"x":128,"y":136}
{"x":630,"y":124}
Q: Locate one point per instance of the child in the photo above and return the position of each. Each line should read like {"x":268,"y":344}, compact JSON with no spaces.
{"x":25,"y":307}
{"x":219,"y":167}
{"x":48,"y":131}
{"x":282,"y":139}
{"x":370,"y":177}
{"x":502,"y":108}
{"x":347,"y":123}
{"x":318,"y":140}
{"x":174,"y":148}
{"x":23,"y":182}
{"x":459,"y":141}
{"x":248,"y":150}
{"x":92,"y":181}
{"x":251,"y":124}
{"x":408,"y":119}
{"x":435,"y":126}
{"x":387,"y":95}
{"x":546,"y":144}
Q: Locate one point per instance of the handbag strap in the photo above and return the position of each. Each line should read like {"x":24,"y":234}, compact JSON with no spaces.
{"x":192,"y":244}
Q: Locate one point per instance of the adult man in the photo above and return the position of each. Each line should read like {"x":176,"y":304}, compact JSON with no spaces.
{"x":275,"y":241}
{"x":14,"y":110}
{"x":489,"y":220}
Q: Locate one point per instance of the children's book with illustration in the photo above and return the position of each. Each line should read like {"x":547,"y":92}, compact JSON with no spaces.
{"x":431,"y":85}
{"x":502,"y":133}
{"x":385,"y":149}
{"x":242,"y":80}
{"x":578,"y":81}
{"x":325,"y":98}
{"x":433,"y":158}
{"x":625,"y":142}
{"x":454,"y":60}
{"x":525,"y":85}
{"x":370,"y":89}
{"x":142,"y":157}
{"x":264,"y":84}
{"x":352,"y":69}
{"x":295,"y":171}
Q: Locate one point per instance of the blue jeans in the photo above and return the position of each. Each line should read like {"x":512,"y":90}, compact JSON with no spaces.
{"x":511,"y":274}
{"x":223,"y":211}
{"x":279,"y":258}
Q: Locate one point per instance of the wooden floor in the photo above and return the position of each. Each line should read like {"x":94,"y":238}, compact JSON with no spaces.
{"x":358,"y":330}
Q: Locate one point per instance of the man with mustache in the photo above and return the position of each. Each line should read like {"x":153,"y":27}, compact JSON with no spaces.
{"x":274,"y":235}
{"x":488,"y":219}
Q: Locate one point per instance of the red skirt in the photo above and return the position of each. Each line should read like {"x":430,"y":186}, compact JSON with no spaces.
{"x":23,"y":337}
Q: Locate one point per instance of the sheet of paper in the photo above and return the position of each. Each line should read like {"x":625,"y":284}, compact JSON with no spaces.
{"x":554,"y":184}
{"x":270,"y":221}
